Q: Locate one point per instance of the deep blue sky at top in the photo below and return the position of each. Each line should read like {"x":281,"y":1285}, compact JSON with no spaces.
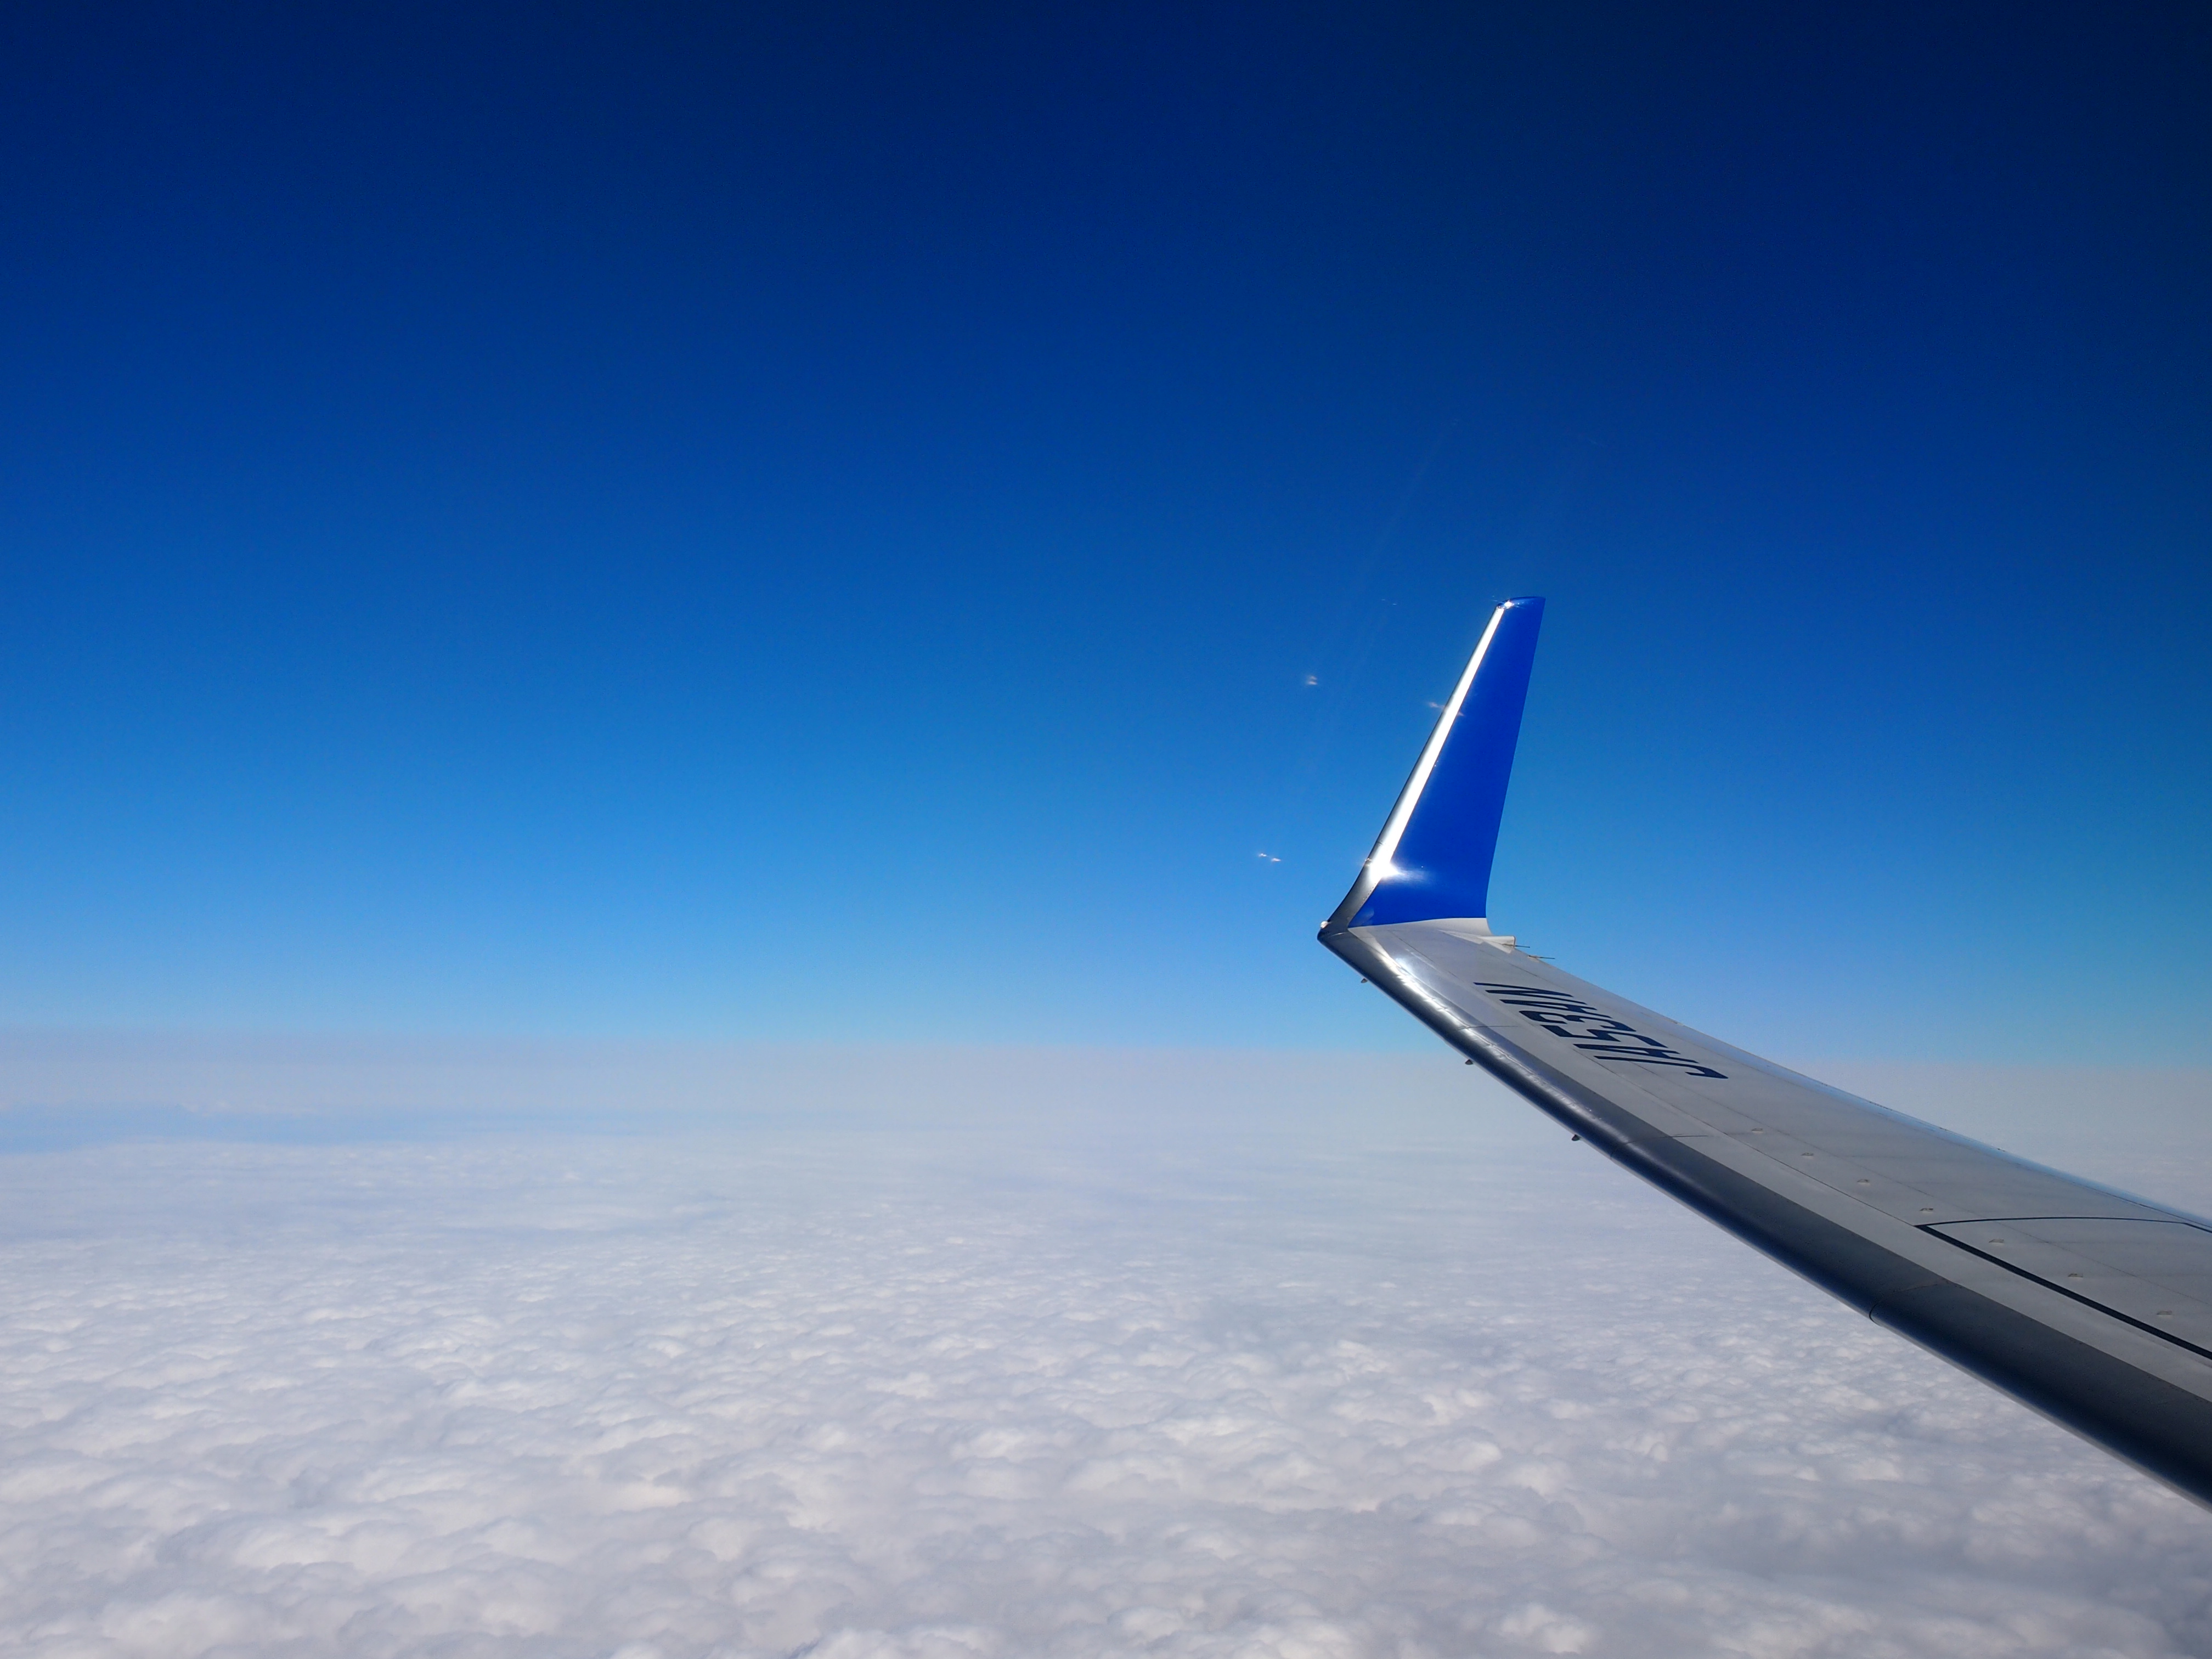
{"x":818,"y":521}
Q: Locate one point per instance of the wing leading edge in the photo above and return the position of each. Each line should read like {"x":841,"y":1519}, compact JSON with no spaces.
{"x":2090,"y":1306}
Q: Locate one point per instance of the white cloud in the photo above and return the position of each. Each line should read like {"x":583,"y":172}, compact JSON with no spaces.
{"x":1359,"y":1385}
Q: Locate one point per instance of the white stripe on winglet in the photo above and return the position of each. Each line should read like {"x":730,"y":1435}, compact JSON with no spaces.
{"x":1386,"y":845}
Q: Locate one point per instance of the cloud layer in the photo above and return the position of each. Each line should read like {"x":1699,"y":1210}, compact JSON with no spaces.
{"x":1138,"y":1389}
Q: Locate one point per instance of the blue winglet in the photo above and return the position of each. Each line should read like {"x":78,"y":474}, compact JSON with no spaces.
{"x":1431,"y":862}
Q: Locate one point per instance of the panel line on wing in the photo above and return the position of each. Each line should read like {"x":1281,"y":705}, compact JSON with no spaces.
{"x":1936,"y":1228}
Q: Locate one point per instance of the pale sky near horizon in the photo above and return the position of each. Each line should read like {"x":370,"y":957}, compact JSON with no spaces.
{"x":843,"y":524}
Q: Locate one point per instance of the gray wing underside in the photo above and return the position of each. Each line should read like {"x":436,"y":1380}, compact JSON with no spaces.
{"x":2091,"y":1306}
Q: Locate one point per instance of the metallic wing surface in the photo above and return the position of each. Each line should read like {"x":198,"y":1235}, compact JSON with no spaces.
{"x":2090,"y":1306}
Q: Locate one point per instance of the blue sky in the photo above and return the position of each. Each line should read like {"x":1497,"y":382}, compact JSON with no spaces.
{"x":827,"y":522}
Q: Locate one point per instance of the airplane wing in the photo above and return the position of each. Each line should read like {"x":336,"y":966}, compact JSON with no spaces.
{"x":2090,"y":1306}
